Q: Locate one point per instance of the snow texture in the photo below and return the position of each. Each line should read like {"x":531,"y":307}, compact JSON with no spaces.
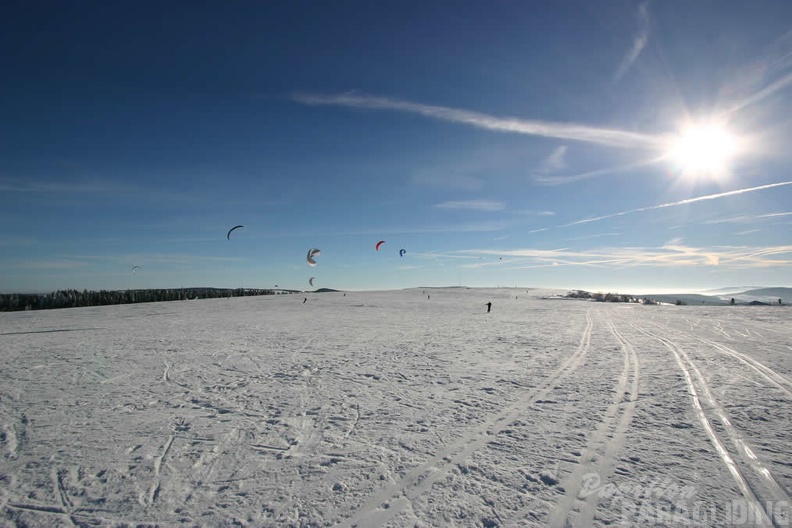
{"x":395,"y":409}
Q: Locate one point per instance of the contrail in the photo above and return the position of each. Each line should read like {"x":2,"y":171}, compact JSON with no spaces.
{"x":572,"y":131}
{"x":681,"y":202}
{"x":774,"y":215}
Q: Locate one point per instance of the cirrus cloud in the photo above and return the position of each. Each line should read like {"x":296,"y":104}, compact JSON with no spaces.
{"x":572,"y":131}
{"x":472,"y":205}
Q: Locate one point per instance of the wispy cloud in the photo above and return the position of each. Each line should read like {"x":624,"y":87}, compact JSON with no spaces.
{"x":669,"y":255}
{"x":472,"y":205}
{"x":680,"y":202}
{"x":435,"y":257}
{"x":639,"y":42}
{"x":746,"y":219}
{"x":21,"y":186}
{"x":42,"y":264}
{"x":588,"y":237}
{"x":535,"y":213}
{"x":572,"y":131}
{"x":572,"y":178}
{"x":469,"y":227}
{"x":779,"y":57}
{"x":764,"y":93}
{"x":17,"y":241}
{"x":127,"y":259}
{"x":775,"y":215}
{"x":776,"y":61}
{"x":733,"y":220}
{"x":555,"y":161}
{"x":448,"y":180}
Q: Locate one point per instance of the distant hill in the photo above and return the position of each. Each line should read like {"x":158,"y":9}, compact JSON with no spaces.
{"x":455,"y":287}
{"x":688,"y":298}
{"x":723,"y":296}
{"x":730,"y":290}
{"x":766,"y":295}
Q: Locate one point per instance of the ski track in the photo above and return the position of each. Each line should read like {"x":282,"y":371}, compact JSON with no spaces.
{"x":603,"y":446}
{"x":774,"y":378}
{"x":155,"y":487}
{"x":742,"y":458}
{"x":391,"y":500}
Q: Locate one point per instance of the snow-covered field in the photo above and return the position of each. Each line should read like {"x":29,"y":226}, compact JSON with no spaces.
{"x":390,"y":408}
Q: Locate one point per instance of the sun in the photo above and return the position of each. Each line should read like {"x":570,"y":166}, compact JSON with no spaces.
{"x":704,"y":151}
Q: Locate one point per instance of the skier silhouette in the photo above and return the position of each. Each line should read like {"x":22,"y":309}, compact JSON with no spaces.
{"x":489,"y":307}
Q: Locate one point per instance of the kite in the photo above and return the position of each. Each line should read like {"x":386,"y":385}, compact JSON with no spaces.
{"x":402,"y":252}
{"x":228,"y":235}
{"x":310,"y":281}
{"x":379,"y":244}
{"x":313,"y":252}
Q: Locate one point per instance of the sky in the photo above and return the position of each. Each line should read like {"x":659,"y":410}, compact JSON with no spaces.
{"x":614,"y":146}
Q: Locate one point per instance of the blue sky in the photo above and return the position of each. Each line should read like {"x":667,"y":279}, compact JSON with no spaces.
{"x":622,"y":146}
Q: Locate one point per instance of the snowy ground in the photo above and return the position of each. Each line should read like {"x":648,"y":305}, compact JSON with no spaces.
{"x":389,"y":408}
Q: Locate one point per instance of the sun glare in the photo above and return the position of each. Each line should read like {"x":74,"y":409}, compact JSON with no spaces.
{"x":704,"y":151}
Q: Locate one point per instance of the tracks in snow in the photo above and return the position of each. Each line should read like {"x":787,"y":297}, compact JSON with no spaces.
{"x":779,"y":381}
{"x":603,"y":445}
{"x":388,"y":502}
{"x":774,"y":378}
{"x":741,"y":460}
{"x":155,"y":487}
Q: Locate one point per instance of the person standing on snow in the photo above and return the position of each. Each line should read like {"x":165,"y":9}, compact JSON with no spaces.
{"x":489,"y":307}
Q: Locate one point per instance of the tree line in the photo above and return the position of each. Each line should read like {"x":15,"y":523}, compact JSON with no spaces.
{"x":75,"y":298}
{"x":608,"y":297}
